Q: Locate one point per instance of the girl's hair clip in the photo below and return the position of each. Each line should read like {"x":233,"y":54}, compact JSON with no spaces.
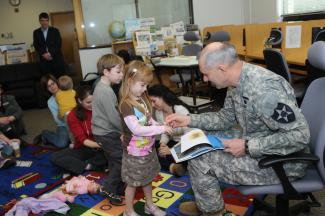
{"x":134,"y":70}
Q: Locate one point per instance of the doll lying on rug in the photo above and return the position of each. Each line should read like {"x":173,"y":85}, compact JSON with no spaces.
{"x":73,"y":187}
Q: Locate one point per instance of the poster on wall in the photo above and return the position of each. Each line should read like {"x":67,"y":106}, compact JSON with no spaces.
{"x":178,"y":28}
{"x":131,"y":25}
{"x":293,"y":36}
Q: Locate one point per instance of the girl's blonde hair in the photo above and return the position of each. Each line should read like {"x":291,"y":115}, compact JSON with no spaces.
{"x":108,"y":61}
{"x":133,"y":72}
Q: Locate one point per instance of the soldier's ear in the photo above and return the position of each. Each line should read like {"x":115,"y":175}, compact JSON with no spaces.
{"x":222,"y":67}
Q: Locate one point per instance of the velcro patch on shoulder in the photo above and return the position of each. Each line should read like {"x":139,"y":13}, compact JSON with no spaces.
{"x":283,"y":114}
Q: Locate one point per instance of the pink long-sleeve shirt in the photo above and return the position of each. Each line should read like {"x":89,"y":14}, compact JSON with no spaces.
{"x":139,"y":131}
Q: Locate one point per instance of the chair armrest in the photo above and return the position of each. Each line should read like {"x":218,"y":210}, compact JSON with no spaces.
{"x":272,"y":160}
{"x":277,"y":162}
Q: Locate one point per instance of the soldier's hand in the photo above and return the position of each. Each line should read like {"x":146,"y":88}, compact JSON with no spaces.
{"x":236,"y":147}
{"x":176,"y":120}
{"x":164,"y":150}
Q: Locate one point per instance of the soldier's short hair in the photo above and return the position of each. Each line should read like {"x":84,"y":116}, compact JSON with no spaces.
{"x":226,"y":54}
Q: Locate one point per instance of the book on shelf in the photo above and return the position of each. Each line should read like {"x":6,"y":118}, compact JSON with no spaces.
{"x":193,"y":144}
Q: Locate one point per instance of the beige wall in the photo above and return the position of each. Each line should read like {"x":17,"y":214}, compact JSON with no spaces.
{"x":218,"y":12}
{"x":222,"y":12}
{"x":23,"y":23}
{"x":264,"y":11}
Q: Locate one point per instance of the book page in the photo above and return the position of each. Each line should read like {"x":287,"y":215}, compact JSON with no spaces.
{"x":192,"y":153}
{"x":193,"y":138}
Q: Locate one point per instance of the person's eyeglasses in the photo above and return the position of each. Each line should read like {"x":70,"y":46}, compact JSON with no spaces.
{"x":51,"y":84}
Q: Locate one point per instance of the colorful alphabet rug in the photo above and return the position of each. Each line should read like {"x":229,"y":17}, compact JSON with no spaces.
{"x":32,"y":176}
{"x":168,"y":192}
{"x":35,"y":175}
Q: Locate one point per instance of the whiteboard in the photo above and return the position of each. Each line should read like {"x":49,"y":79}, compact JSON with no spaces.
{"x":89,"y":58}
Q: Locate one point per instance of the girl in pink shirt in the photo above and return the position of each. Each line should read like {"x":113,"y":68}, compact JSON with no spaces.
{"x":139,"y":163}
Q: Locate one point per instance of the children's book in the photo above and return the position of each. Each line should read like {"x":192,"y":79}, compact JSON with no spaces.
{"x":193,"y":144}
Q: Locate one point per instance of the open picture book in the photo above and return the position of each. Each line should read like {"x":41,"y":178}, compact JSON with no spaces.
{"x":193,"y":144}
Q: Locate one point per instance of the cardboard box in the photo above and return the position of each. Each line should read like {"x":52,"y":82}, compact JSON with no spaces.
{"x":17,"y":46}
{"x":16,"y":56}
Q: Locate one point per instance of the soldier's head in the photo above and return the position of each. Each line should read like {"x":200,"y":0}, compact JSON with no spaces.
{"x":217,"y":64}
{"x":43,"y":19}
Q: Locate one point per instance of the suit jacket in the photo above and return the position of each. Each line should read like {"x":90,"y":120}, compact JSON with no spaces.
{"x":52,"y":44}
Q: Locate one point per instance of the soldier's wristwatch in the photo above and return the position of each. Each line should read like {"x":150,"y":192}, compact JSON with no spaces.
{"x":246,"y":147}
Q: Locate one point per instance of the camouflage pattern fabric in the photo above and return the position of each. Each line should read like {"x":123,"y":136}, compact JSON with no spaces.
{"x":264,"y":105}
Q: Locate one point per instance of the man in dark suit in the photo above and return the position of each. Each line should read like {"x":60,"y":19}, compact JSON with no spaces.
{"x":47,"y":42}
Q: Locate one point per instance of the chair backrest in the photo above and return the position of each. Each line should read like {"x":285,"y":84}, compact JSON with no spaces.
{"x":218,"y":36}
{"x":320,"y":36}
{"x":275,"y":37}
{"x":313,"y":108}
{"x":316,"y":54}
{"x":315,"y":64}
{"x":192,"y":50}
{"x":276,"y":62}
{"x":192,"y":36}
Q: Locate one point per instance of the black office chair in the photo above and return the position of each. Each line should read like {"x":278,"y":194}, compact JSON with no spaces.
{"x":218,"y":36}
{"x":276,"y":62}
{"x":315,"y":64}
{"x":192,"y":49}
{"x":275,"y":38}
{"x":314,"y":180}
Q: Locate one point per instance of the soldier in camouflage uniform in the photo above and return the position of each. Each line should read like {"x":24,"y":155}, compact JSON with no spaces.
{"x":263,"y":104}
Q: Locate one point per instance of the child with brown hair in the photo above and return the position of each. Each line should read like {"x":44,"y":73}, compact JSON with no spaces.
{"x":65,"y":97}
{"x":106,"y":124}
{"x":140,"y":162}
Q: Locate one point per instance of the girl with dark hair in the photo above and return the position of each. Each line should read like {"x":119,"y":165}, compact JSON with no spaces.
{"x":86,"y":153}
{"x":165,"y":102}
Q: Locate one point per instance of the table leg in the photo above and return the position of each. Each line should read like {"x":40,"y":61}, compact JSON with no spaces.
{"x":193,"y":86}
{"x":157,"y":71}
{"x":179,"y":72}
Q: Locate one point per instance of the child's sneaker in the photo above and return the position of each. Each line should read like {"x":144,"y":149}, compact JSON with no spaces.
{"x":114,"y":199}
{"x":154,"y":210}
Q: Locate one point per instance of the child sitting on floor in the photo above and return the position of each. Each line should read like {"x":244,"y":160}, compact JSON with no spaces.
{"x":6,"y":151}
